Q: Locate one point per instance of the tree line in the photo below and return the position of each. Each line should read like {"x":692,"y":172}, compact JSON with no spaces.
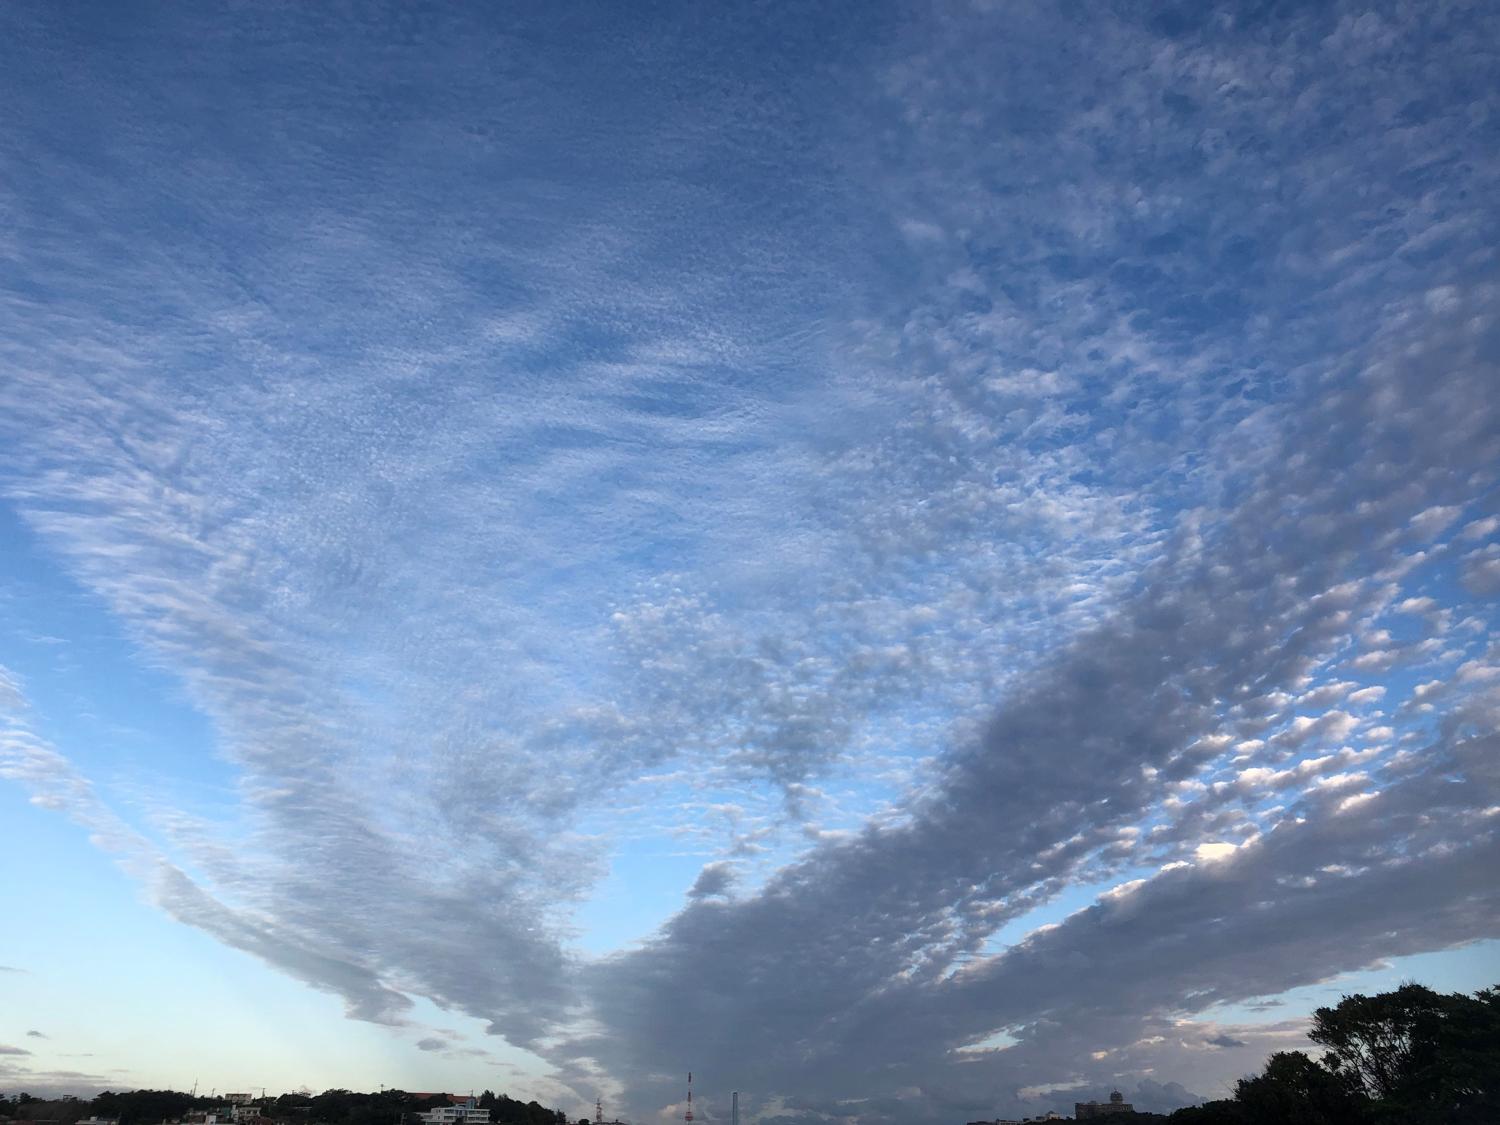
{"x":1407,"y":1057}
{"x":1411,"y":1056}
{"x":331,"y":1107}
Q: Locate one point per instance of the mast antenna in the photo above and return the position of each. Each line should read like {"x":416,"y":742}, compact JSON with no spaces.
{"x":688,"y":1116}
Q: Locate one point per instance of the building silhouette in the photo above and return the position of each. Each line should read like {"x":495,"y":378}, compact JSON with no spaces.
{"x":1082,"y":1111}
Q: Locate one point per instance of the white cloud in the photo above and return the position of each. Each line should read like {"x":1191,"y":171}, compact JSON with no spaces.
{"x":1481,"y":528}
{"x":1434,"y":521}
{"x":1215,"y":851}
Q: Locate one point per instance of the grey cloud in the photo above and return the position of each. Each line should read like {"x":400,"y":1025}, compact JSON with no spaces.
{"x":1480,"y":572}
{"x":714,"y":879}
{"x":843,"y":956}
{"x":1325,"y":694}
{"x":431,"y":1044}
{"x":55,"y":1083}
{"x":1237,"y":953}
{"x":29,"y":760}
{"x":1225,"y":1041}
{"x":360,"y":987}
{"x":1481,"y":528}
{"x":1334,"y":726}
{"x":5,"y":1049}
{"x":1432,"y":522}
{"x":35,"y":1035}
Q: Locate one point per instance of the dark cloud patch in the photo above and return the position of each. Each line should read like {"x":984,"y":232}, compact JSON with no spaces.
{"x":1200,"y":945}
{"x":6,"y":1049}
{"x":431,"y":1044}
{"x":35,"y":1035}
{"x":1224,"y":1041}
{"x":714,"y":879}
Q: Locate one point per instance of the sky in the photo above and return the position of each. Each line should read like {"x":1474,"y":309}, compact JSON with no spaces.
{"x":920,"y":561}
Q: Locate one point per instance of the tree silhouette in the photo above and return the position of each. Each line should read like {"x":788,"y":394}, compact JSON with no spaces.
{"x":1419,"y":1055}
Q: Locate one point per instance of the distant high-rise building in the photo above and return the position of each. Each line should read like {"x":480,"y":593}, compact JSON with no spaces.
{"x":1082,"y":1111}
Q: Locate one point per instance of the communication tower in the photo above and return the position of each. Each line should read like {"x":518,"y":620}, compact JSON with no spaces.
{"x":688,"y":1116}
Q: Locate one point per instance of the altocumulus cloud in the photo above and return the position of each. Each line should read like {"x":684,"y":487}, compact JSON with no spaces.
{"x":1057,"y":450}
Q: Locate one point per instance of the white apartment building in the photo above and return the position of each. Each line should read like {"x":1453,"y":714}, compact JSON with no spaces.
{"x":463,"y":1111}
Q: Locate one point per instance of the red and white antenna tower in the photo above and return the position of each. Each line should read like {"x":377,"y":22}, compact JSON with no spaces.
{"x":599,"y":1111}
{"x":688,"y":1116}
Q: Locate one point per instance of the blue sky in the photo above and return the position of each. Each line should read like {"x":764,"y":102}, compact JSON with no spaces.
{"x":918,"y":561}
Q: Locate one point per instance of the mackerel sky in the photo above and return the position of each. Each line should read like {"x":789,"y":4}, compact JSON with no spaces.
{"x":918,"y":561}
